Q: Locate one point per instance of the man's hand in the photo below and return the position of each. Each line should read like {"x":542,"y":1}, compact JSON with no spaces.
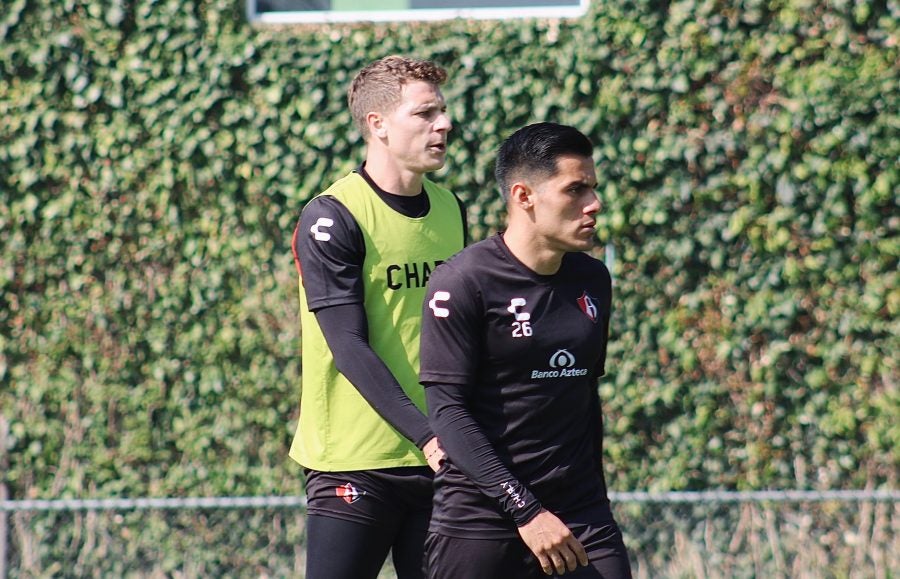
{"x":434,"y":454}
{"x":553,"y":543}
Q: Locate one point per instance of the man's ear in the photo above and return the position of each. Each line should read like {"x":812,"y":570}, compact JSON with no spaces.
{"x":521,"y":194}
{"x":375,"y":122}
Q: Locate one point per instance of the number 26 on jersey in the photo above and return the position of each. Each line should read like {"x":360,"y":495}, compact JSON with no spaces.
{"x":521,"y":327}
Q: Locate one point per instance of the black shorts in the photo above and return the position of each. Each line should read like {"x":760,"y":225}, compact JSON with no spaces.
{"x":371,"y":497}
{"x":467,"y":558}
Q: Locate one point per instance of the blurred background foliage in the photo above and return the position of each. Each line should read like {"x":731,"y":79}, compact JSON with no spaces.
{"x":155,"y":155}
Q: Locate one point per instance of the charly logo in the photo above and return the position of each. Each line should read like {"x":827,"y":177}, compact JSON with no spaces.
{"x":521,"y":328}
{"x":562,"y":364}
{"x":515,"y":305}
{"x":318,"y":234}
{"x":439,"y":298}
{"x":409,"y":275}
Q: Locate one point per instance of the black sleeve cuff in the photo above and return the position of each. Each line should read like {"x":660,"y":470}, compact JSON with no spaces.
{"x":518,"y":502}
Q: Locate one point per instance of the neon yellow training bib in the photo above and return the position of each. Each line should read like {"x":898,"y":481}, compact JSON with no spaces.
{"x":338,"y":430}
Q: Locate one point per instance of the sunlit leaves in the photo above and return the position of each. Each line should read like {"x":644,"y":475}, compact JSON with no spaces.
{"x":155,"y":157}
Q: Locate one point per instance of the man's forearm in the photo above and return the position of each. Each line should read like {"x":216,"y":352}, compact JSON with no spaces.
{"x":346,"y":331}
{"x":469,"y":449}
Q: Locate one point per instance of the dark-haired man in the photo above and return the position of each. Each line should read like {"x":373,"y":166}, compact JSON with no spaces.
{"x":514,"y":336}
{"x":364,"y":249}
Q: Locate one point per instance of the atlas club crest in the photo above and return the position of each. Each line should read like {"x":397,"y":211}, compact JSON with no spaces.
{"x":588,"y":305}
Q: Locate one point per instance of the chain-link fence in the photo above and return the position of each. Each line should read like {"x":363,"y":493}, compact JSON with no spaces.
{"x":702,"y":534}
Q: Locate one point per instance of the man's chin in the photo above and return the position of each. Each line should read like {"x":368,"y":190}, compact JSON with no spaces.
{"x":583,"y":245}
{"x":434,"y":165}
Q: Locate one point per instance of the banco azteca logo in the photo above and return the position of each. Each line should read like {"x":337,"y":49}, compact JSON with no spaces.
{"x":562,"y":359}
{"x":562,"y":365}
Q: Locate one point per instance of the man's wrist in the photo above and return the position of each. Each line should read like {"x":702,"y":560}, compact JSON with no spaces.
{"x":526,"y":514}
{"x":423,"y":439}
{"x":518,"y":501}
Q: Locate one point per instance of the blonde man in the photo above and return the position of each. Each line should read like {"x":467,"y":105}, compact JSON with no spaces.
{"x":364,"y":249}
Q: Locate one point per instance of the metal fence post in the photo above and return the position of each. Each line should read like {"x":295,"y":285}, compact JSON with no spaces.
{"x":4,"y":495}
{"x":3,"y":531}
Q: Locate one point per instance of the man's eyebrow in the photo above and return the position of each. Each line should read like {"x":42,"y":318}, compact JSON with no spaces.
{"x":582,"y":183}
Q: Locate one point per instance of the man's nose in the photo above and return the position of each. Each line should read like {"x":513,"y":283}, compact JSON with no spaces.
{"x":443,"y":123}
{"x":594,"y":205}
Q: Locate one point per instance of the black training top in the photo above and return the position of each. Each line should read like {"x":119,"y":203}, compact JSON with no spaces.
{"x":510,"y":361}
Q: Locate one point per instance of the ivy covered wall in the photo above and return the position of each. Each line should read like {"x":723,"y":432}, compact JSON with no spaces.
{"x":155,"y":155}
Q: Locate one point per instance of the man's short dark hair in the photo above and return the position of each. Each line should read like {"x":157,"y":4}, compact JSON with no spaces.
{"x":534,"y":150}
{"x":377,"y":87}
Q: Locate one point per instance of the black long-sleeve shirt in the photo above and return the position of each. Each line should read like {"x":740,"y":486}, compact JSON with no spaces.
{"x":510,"y":361}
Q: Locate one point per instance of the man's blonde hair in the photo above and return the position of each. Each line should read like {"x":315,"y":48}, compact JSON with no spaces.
{"x":376,"y":88}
